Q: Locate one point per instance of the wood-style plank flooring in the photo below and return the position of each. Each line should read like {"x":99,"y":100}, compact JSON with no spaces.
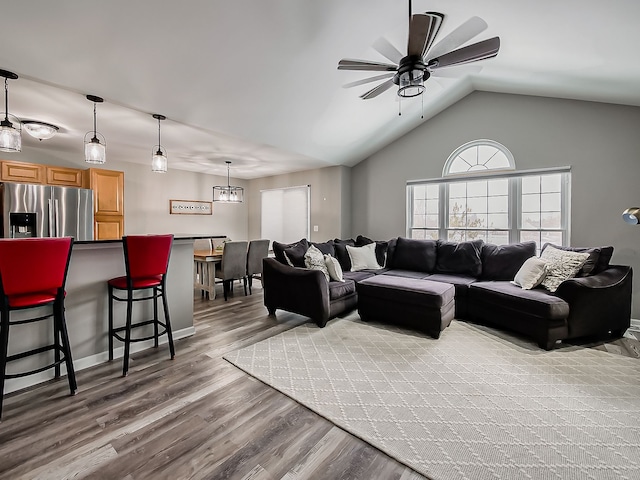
{"x":195,"y":417}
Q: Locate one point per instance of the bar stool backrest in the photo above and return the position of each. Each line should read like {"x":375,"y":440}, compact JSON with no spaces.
{"x":146,"y":255}
{"x":30,"y":265}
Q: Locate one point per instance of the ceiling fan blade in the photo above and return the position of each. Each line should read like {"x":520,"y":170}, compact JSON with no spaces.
{"x":461,"y":35}
{"x":348,"y":64}
{"x":368,"y":80}
{"x":374,"y":92}
{"x":423,"y":29}
{"x":477,"y":51}
{"x":387,"y":50}
{"x":457,"y":72}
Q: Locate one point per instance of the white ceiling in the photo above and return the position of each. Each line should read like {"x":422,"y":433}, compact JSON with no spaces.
{"x":255,"y":81}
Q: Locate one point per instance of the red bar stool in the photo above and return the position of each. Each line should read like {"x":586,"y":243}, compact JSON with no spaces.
{"x":146,"y":259}
{"x":33,"y":273}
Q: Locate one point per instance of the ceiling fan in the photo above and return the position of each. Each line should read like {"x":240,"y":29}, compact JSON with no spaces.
{"x":409,"y":72}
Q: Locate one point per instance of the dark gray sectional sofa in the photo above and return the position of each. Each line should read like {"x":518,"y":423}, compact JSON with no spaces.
{"x":596,"y":302}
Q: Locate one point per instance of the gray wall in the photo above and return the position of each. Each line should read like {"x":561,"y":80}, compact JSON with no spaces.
{"x":330,"y":207}
{"x":147,"y":195}
{"x":601,"y":143}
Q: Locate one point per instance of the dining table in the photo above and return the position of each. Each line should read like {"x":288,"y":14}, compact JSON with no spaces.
{"x":204,"y":274}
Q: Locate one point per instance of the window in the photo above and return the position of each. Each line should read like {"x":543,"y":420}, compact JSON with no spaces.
{"x":285,"y":214}
{"x":481,"y":197}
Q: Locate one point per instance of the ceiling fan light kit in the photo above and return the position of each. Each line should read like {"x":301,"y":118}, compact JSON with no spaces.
{"x":95,"y":151}
{"x":409,"y":72}
{"x":10,"y":126}
{"x":159,"y":158}
{"x":631,"y":215}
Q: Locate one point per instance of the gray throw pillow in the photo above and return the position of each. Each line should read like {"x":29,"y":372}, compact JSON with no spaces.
{"x":314,"y":260}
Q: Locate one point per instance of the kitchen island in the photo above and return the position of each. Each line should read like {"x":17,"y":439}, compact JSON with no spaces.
{"x":92,"y":264}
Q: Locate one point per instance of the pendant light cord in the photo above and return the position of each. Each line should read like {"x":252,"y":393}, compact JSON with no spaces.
{"x":6,"y":99}
{"x":95,"y":124}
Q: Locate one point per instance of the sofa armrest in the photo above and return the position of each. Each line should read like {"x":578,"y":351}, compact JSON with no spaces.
{"x":598,"y":303}
{"x":299,"y":290}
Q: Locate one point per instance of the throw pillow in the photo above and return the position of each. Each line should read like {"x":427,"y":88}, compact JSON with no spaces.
{"x":278,"y":249}
{"x":326,"y":248}
{"x":294,"y":256}
{"x":314,"y":260}
{"x":363,"y":258}
{"x":461,"y":258}
{"x":381,"y":248}
{"x":415,"y":255}
{"x":561,"y":265}
{"x":334,"y":268}
{"x":531,"y":273}
{"x":502,"y":262}
{"x":341,"y":252}
{"x":589,"y":266}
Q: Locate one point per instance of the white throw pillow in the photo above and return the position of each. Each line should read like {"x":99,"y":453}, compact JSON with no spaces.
{"x":314,"y":259}
{"x":334,"y":268}
{"x":561,"y":265}
{"x":531,"y":273}
{"x":363,"y":258}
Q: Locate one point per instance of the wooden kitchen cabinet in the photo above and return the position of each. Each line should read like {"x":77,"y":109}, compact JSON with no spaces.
{"x":65,"y":177}
{"x":22,"y":172}
{"x":108,"y":202}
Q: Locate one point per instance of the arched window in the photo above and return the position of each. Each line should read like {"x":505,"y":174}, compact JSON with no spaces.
{"x":480,"y":196}
{"x":479,"y":156}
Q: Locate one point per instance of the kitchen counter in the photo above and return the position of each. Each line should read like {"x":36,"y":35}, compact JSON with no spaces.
{"x":92,"y":264}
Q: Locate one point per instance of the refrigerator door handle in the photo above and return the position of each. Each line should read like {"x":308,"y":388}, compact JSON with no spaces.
{"x":50,"y":233}
{"x":57,"y":216}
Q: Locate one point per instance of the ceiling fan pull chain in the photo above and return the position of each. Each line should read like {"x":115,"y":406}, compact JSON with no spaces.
{"x":422,"y":100}
{"x":399,"y":106}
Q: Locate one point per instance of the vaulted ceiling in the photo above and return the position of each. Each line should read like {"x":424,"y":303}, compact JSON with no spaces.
{"x":255,"y":81}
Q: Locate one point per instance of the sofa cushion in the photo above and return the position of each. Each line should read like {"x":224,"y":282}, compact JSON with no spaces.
{"x":589,"y":266}
{"x":416,"y":255}
{"x":326,"y":248}
{"x":452,"y":279}
{"x":363,"y":258}
{"x":504,"y":295}
{"x":294,"y":255}
{"x":406,"y":273}
{"x":502,"y":262}
{"x":561,"y":265}
{"x":339,"y":290}
{"x":381,"y":248}
{"x":278,"y":249}
{"x":408,"y":290}
{"x":463,"y":258}
{"x":314,"y":260}
{"x":361,"y":275}
{"x":342,"y":255}
{"x":603,"y":261}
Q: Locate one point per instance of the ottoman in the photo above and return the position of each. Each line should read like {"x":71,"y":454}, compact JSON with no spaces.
{"x":417,"y":303}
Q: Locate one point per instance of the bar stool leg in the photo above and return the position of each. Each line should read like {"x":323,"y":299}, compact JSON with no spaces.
{"x":127,"y":338}
{"x":59,"y":318}
{"x":4,"y":343}
{"x":56,"y":343}
{"x":110,"y":323}
{"x":155,"y":317}
{"x":167,"y":322}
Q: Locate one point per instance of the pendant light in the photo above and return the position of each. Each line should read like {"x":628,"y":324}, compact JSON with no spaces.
{"x":159,"y":154}
{"x":95,"y":150}
{"x":228,"y":193}
{"x":10,"y":126}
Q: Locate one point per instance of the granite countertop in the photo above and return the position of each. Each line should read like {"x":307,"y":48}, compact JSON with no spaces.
{"x":176,"y":236}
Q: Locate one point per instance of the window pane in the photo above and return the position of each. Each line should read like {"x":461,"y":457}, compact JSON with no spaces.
{"x":498,"y":220}
{"x":499,"y":187}
{"x":456,"y":235}
{"x":551,"y":220}
{"x":551,"y":183}
{"x":433,"y":192}
{"x":431,"y":221}
{"x":530,"y":220}
{"x":477,"y":205}
{"x":419,"y":191}
{"x":457,"y":190}
{"x":419,"y":234}
{"x":551,"y":237}
{"x":498,"y":204}
{"x":531,"y":184}
{"x":458,"y":166}
{"x":476,"y":189}
{"x":550,"y":202}
{"x":432,"y":206}
{"x":487,"y":152}
{"x":470,"y":155}
{"x":498,"y":237}
{"x":422,"y":234}
{"x":531,"y":203}
{"x":499,"y":160}
{"x":419,"y":221}
{"x":419,"y":207}
{"x":526,"y":236}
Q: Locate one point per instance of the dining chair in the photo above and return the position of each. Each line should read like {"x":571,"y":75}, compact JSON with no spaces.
{"x":233,"y":266}
{"x":258,"y":249}
{"x":33,"y":273}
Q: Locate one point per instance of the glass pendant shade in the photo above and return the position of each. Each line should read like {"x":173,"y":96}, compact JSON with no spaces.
{"x":631,"y":215}
{"x":10,"y":134}
{"x":95,"y":146}
{"x":159,"y":160}
{"x":95,"y":151}
{"x":10,"y":126}
{"x":228,"y":193}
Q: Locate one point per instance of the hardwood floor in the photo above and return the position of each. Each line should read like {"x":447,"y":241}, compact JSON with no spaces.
{"x":195,"y":417}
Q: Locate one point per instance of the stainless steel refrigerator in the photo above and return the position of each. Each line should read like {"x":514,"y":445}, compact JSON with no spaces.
{"x":46,"y":211}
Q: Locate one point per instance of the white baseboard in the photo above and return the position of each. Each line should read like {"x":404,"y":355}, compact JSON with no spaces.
{"x":635,"y":325}
{"x":15,"y":384}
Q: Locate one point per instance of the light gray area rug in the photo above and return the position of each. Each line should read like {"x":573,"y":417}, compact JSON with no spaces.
{"x":475,"y":404}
